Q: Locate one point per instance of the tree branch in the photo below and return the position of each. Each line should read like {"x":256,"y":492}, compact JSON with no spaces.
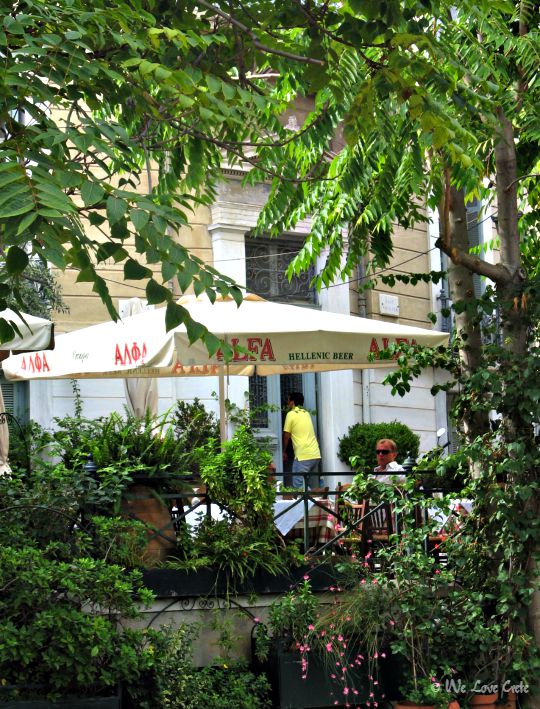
{"x":256,"y":43}
{"x":495,"y":272}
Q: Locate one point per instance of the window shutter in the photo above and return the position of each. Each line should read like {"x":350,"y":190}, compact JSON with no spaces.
{"x":15,"y":398}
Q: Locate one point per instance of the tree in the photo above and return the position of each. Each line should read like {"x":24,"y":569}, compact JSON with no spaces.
{"x":96,"y":101}
{"x":442,"y":102}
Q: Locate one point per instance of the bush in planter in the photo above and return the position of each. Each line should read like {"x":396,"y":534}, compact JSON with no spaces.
{"x":63,"y":599}
{"x":60,"y":623}
{"x":315,"y":655}
{"x":238,"y":477}
{"x":237,"y":551}
{"x":196,"y":426}
{"x":175,"y":682}
{"x":360,"y":441}
{"x":446,"y":473}
{"x":126,"y":445}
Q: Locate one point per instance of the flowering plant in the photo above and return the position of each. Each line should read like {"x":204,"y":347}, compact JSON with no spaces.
{"x":290,"y":619}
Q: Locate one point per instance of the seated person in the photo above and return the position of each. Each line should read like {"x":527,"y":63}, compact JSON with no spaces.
{"x":386,"y":451}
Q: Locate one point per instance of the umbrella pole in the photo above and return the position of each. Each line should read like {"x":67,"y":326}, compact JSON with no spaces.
{"x":222,"y":416}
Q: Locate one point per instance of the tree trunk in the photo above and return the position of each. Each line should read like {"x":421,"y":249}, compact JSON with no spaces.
{"x":461,"y":287}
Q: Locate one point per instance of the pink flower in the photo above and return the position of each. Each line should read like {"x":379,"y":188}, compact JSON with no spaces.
{"x":329,"y":647}
{"x":392,"y":622}
{"x":383,"y":654}
{"x":256,"y":620}
{"x":363,"y":581}
{"x":345,"y":690}
{"x":340,"y":638}
{"x":311,"y":627}
{"x":306,"y":577}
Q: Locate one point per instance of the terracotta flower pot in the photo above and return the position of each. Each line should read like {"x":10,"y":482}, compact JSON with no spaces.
{"x":484,"y":700}
{"x":142,"y":503}
{"x":510,"y":700}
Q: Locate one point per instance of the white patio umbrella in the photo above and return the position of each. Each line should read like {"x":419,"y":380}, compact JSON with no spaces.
{"x":141,"y":392}
{"x":267,"y":338}
{"x":35,"y":334}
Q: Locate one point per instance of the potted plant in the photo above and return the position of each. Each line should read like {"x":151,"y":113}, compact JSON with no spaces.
{"x":416,"y":589}
{"x":308,"y":661}
{"x":137,"y":467}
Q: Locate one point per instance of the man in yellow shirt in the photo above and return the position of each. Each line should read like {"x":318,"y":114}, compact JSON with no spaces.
{"x":298,"y":426}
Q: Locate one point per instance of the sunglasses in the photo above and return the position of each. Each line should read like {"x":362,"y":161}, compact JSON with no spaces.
{"x":383,"y":451}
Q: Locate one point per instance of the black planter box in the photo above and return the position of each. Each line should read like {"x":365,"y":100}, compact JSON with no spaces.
{"x":283,"y":669}
{"x":172,"y":583}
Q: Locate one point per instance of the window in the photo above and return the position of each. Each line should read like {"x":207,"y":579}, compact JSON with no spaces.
{"x":15,"y":398}
{"x":266,"y":263}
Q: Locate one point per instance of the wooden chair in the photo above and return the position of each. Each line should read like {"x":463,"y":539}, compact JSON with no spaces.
{"x":321,"y":492}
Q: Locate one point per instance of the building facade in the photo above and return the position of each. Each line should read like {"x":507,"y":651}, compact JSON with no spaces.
{"x":220,"y":235}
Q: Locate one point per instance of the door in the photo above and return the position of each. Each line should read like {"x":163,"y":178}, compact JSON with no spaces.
{"x":268,"y":397}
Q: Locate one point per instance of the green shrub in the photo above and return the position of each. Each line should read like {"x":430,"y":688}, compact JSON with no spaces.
{"x":59,"y":633}
{"x":361,"y":439}
{"x":178,"y":684}
{"x":196,"y":427}
{"x":65,"y":589}
{"x":238,"y":477}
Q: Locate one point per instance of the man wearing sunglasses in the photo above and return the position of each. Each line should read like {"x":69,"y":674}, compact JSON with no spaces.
{"x":386,"y":451}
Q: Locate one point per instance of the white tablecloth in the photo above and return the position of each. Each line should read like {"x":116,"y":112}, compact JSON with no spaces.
{"x":291,"y":516}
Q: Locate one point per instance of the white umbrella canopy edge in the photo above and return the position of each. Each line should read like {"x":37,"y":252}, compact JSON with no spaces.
{"x":267,"y":338}
{"x":35,"y":333}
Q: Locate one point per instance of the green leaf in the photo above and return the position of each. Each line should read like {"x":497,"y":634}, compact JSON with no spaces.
{"x":110,"y":250}
{"x":156,"y":293}
{"x":16,"y":260}
{"x":212,"y":343}
{"x":139,"y":218}
{"x":26,"y":221}
{"x":91,"y":193}
{"x":116,"y":208}
{"x":134,"y":271}
{"x":96,"y":219}
{"x":168,"y":270}
{"x":195,"y":331}
{"x":55,"y":255}
{"x":86,"y":275}
{"x":237,"y":294}
{"x":174,"y":315}
{"x":7,"y":332}
{"x":186,"y":273}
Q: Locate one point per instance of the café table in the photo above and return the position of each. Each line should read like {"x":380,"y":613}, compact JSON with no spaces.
{"x":321,"y":523}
